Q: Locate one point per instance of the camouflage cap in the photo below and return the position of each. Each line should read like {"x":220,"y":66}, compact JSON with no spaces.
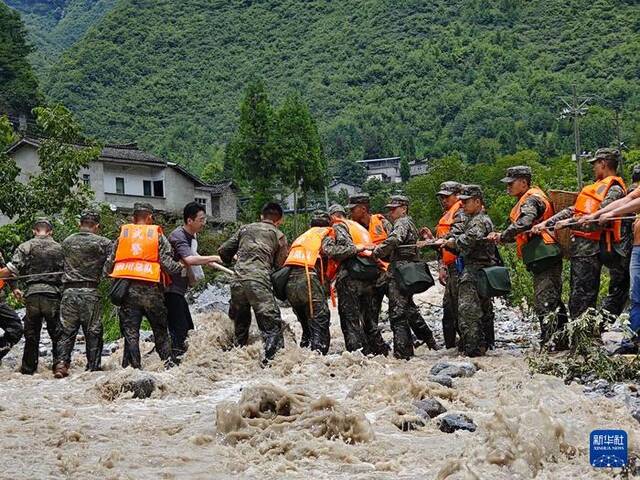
{"x":449,"y":188}
{"x":471,"y":191}
{"x":359,"y":199}
{"x":42,"y":221}
{"x":140,"y":207}
{"x":514,"y":173}
{"x":90,"y":216}
{"x":320,"y":216}
{"x":397,"y":201}
{"x":337,"y":208}
{"x":605,"y":154}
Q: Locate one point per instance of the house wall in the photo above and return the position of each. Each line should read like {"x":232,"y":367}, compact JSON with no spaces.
{"x":179,"y":190}
{"x":27,"y":159}
{"x":205,"y":194}
{"x":228,"y":206}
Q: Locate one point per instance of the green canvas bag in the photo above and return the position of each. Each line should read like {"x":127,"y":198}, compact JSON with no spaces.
{"x":494,"y":282}
{"x":413,"y":277}
{"x":538,"y":256}
{"x":279,"y":280}
{"x":362,"y":268}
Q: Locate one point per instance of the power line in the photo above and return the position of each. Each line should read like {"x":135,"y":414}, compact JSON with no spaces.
{"x":574,"y":110}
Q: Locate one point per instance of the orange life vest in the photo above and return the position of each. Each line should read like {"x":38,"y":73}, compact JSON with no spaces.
{"x":137,"y":256}
{"x":305,"y":250}
{"x":377,"y":231}
{"x":444,"y":227}
{"x":1,"y":284}
{"x":523,"y":238}
{"x":589,"y":201}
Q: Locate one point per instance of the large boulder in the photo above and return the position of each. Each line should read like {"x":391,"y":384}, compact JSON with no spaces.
{"x":429,"y":407}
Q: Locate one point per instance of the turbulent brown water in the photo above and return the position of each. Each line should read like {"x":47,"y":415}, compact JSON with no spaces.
{"x":221,"y":415}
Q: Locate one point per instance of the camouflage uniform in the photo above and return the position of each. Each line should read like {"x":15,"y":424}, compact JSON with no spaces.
{"x":450,"y":297}
{"x":404,"y":315}
{"x":145,"y":299}
{"x":547,"y":284}
{"x":475,"y":318}
{"x":588,"y":258}
{"x":261,"y":248}
{"x":357,"y":301}
{"x":9,"y":322}
{"x":40,"y":255}
{"x":85,"y":254}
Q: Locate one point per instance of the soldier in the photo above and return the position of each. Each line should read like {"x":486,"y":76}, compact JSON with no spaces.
{"x":261,"y":248}
{"x":593,"y":246}
{"x":400,"y":247}
{"x":379,"y":228}
{"x":85,"y":254}
{"x":475,"y":315}
{"x":533,"y":207}
{"x":307,"y":285}
{"x":447,"y":273}
{"x":356,"y":296}
{"x":9,"y":320}
{"x":142,"y":257}
{"x":41,"y":259}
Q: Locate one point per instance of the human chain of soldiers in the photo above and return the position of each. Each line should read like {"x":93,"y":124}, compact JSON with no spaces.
{"x":361,"y":257}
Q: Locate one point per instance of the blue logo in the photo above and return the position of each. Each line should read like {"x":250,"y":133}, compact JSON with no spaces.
{"x":608,"y":448}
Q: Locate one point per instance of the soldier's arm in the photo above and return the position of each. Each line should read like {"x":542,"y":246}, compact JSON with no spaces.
{"x":397,"y":236}
{"x":108,"y":264}
{"x":167,"y":262}
{"x":342,"y":247}
{"x":282,"y":251}
{"x":5,"y":272}
{"x":19,"y":260}
{"x":532,"y":208}
{"x":106,"y":245}
{"x":471,"y":237}
{"x":565,"y":214}
{"x":619,"y":204}
{"x":229,"y":248}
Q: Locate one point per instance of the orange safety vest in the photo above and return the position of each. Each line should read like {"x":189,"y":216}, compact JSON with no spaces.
{"x":444,"y":227}
{"x":137,"y":256}
{"x":589,"y":201}
{"x":376,"y":229}
{"x":523,"y":238}
{"x":1,"y":284}
{"x":305,"y":250}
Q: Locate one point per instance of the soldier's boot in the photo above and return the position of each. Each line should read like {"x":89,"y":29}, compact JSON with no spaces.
{"x":61,"y":370}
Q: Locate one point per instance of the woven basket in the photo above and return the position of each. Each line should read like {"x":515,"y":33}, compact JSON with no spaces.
{"x":561,"y":199}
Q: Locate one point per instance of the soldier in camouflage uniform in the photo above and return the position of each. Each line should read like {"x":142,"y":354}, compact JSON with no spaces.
{"x":475,"y":315}
{"x":547,"y":283}
{"x":85,"y":254}
{"x":41,"y":257}
{"x":400,"y":248}
{"x":9,"y":319}
{"x":261,"y":248}
{"x":315,"y":329}
{"x":357,"y":304}
{"x":587,"y":255}
{"x":145,"y":298}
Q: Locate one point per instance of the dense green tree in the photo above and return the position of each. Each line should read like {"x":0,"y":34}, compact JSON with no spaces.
{"x":18,"y":85}
{"x":405,"y":169}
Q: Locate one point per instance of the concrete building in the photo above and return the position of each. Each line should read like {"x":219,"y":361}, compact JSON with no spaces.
{"x":383,"y":169}
{"x":123,"y":175}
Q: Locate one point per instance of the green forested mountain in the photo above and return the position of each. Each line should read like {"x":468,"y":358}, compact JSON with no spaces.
{"x":481,"y":77}
{"x":55,"y":25}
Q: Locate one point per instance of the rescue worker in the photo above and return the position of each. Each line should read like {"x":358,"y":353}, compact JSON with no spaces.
{"x":9,"y":320}
{"x":85,"y":254}
{"x":475,"y":314}
{"x":261,"y":248}
{"x":533,"y":206}
{"x":307,"y":286}
{"x":593,"y":246}
{"x":379,"y":228}
{"x":142,"y":257}
{"x":355,"y":295}
{"x":447,"y":273}
{"x":400,"y":247}
{"x":40,"y":258}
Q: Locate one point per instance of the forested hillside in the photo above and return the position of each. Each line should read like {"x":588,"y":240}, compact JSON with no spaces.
{"x":55,"y":25}
{"x":481,"y":77}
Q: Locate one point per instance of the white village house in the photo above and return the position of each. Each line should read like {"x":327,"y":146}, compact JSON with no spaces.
{"x":388,"y":169}
{"x":123,"y":175}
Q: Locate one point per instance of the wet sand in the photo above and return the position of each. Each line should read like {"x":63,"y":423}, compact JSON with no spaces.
{"x":221,"y":415}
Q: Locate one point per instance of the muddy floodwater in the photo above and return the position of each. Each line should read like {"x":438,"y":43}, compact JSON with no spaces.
{"x":221,"y":415}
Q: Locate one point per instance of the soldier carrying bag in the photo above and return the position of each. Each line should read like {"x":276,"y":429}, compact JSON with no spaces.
{"x":279,"y":280}
{"x":362,"y":268}
{"x":413,"y":277}
{"x":494,"y":281}
{"x":538,"y":256}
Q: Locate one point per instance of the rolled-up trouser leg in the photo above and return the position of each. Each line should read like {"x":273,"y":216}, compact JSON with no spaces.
{"x":263,"y":302}
{"x":350,"y":314}
{"x":130,"y":320}
{"x":399,"y":312}
{"x":12,"y":326}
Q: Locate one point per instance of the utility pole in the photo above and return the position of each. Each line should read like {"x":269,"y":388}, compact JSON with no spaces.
{"x":616,"y":120}
{"x":576,"y":109}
